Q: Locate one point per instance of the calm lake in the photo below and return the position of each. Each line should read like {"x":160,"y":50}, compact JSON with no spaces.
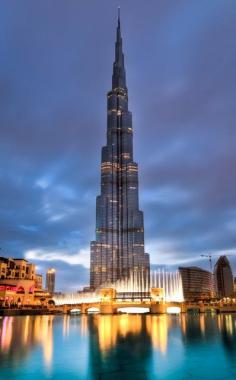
{"x":118,"y":347}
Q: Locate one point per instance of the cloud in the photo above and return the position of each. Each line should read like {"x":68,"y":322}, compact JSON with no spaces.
{"x":165,"y":253}
{"x":166,"y":195}
{"x":53,"y":125}
{"x":80,"y":258}
{"x":168,"y":254}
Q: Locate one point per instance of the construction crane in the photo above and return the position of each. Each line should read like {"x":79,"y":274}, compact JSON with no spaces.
{"x":210,"y":260}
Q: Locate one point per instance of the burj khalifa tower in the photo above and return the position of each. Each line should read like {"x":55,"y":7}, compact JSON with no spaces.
{"x":118,"y":251}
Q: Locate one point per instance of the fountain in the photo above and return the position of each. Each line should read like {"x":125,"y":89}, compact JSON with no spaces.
{"x":133,"y":287}
{"x":135,"y":283}
{"x":170,"y":282}
{"x":76,"y":298}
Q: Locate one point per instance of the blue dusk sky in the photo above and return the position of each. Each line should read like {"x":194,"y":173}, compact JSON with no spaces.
{"x":55,"y":70}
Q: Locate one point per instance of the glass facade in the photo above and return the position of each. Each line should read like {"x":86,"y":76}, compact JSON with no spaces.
{"x":118,"y":251}
{"x":224,"y":277}
{"x":197,"y":283}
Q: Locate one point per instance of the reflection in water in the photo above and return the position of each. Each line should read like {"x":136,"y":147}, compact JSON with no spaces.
{"x":211,"y":328}
{"x":111,"y":327}
{"x":84,"y":325}
{"x":18,"y":338}
{"x":228,"y":334}
{"x":219,"y":321}
{"x":66,"y":325}
{"x":107,"y":331}
{"x":115,"y":346}
{"x":129,"y":325}
{"x":193,"y":328}
{"x":183,"y":323}
{"x":119,"y":346}
{"x":26,"y":329}
{"x":43,"y":335}
{"x":229,"y":324}
{"x":6,"y":333}
{"x":202,"y":323}
{"x":157,"y":328}
{"x":47,"y":340}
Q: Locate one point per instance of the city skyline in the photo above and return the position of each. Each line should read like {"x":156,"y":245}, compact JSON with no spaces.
{"x":181,"y":65}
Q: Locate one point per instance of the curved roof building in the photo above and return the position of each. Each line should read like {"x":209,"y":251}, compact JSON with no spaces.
{"x":197,"y":283}
{"x":223,"y":277}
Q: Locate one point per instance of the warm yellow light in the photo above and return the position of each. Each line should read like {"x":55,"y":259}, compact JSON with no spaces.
{"x":75,"y":311}
{"x":51,"y":270}
{"x":157,"y":327}
{"x":173,"y":310}
{"x":93,"y":310}
{"x":133,"y":310}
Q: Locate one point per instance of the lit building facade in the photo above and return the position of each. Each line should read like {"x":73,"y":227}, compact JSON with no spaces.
{"x":118,"y":251}
{"x":197,"y":283}
{"x":38,"y":281}
{"x":16,"y":269}
{"x":19,"y":282}
{"x":50,"y":280}
{"x":224,"y":278}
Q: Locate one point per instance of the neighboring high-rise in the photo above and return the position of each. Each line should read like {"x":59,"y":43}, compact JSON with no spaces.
{"x":224,"y":277}
{"x":50,"y":280}
{"x":118,"y":251}
{"x":197,"y":283}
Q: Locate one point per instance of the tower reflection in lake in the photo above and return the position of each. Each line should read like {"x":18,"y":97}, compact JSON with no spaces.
{"x":115,"y":346}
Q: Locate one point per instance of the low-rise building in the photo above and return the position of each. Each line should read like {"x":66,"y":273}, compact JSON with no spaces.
{"x":16,"y":269}
{"x":19,"y":283}
{"x":3,"y":269}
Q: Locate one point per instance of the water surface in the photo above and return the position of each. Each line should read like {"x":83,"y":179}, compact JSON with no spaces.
{"x":116,"y":347}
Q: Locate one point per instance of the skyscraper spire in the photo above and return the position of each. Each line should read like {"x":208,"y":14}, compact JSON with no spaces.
{"x":118,"y":17}
{"x":119,"y":76}
{"x":118,"y":251}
